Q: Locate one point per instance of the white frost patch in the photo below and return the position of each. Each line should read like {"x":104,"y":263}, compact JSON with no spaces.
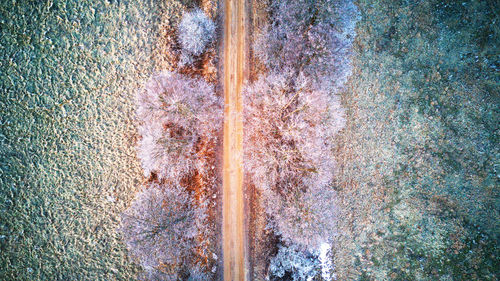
{"x":325,"y":261}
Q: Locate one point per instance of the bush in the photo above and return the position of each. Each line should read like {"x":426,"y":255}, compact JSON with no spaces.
{"x":290,"y":126}
{"x":159,"y":229}
{"x":196,"y":31}
{"x":293,"y":264}
{"x":177,"y":115}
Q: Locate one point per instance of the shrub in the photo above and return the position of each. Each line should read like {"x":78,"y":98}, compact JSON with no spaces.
{"x":159,"y":229}
{"x":293,"y":264}
{"x":177,"y":115}
{"x":196,"y":31}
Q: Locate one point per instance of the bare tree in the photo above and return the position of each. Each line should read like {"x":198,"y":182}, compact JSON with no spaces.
{"x":179,"y":121}
{"x":289,"y":131}
{"x":309,"y":36}
{"x":177,"y":114}
{"x":159,"y":230}
{"x":290,"y":127}
{"x":293,"y":113}
{"x":305,"y":219}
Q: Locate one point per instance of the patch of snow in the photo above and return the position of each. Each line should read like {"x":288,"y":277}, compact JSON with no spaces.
{"x":325,"y":261}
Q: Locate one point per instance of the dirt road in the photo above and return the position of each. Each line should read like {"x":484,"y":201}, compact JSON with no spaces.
{"x":234,"y":238}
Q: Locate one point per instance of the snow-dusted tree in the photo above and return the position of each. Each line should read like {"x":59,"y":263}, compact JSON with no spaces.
{"x":159,"y":230}
{"x":196,"y":274}
{"x":293,"y":113}
{"x":306,"y":219}
{"x":196,"y":31}
{"x":178,"y":115}
{"x":289,"y":130}
{"x":291,"y":263}
{"x":310,"y":36}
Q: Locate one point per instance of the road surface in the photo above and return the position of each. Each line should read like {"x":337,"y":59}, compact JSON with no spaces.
{"x":233,"y":233}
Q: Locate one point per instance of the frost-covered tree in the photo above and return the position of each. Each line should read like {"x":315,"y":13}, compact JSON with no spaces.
{"x":289,"y":130}
{"x":196,"y":31}
{"x":179,"y":119}
{"x":159,"y":229}
{"x":178,"y":115}
{"x":291,"y":263}
{"x":325,"y":260}
{"x":305,"y":219}
{"x":310,"y":36}
{"x":292,"y":115}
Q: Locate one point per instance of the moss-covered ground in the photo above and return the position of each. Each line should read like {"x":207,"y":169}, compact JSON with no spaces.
{"x":418,"y":160}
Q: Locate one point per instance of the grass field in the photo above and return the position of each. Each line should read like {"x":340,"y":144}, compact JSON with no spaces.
{"x":69,"y":71}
